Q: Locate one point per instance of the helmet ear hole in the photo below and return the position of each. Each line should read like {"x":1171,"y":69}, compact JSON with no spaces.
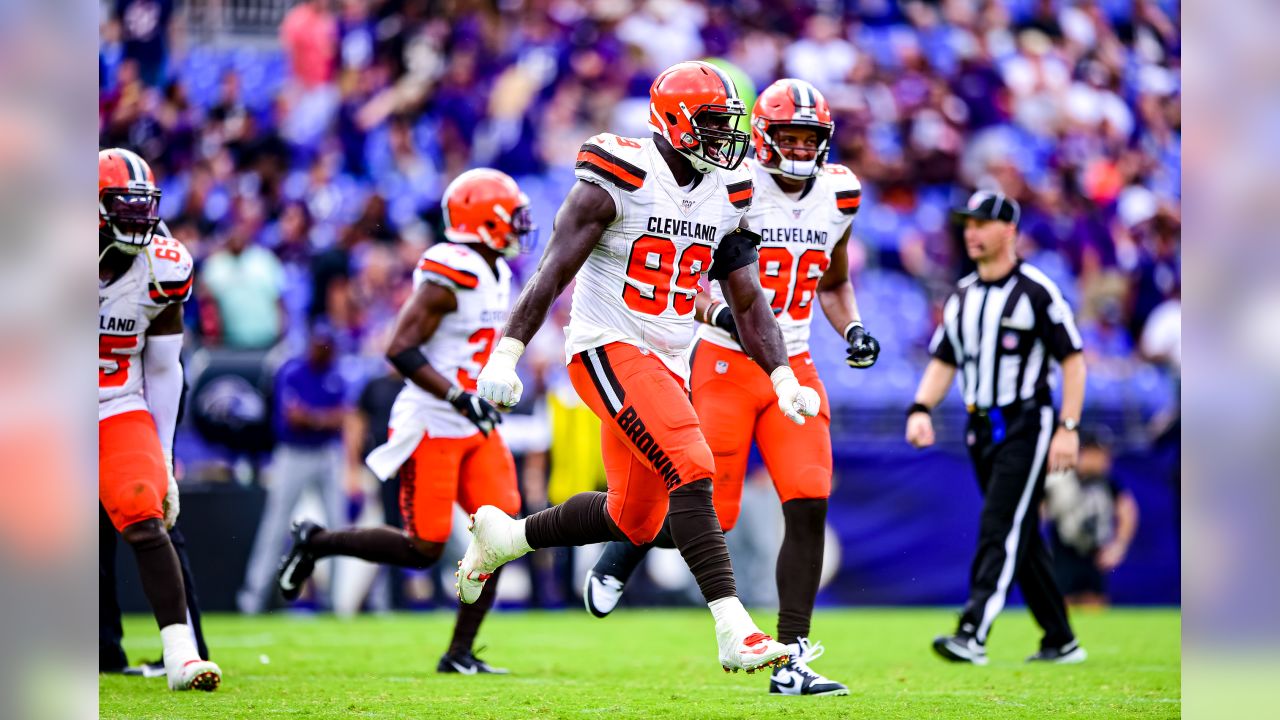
{"x":671,"y":118}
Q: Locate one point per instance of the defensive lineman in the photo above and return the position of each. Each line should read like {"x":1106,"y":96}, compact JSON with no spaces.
{"x":143,"y":281}
{"x":1001,"y":328}
{"x":647,"y":218}
{"x":804,"y":210}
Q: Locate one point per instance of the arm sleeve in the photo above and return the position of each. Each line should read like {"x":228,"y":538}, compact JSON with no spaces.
{"x":162,"y":384}
{"x":736,"y":250}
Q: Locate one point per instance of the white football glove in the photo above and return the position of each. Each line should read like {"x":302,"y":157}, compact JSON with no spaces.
{"x":795,"y":400}
{"x":170,"y":504}
{"x":498,"y":382}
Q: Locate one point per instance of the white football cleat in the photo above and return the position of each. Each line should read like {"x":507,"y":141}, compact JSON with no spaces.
{"x":601,"y":593}
{"x":496,"y":539}
{"x":750,"y":651}
{"x":195,"y":675}
{"x":795,"y":677}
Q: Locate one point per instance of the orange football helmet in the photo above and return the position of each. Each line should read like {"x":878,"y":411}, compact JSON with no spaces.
{"x":128,"y":200}
{"x":790,"y":102}
{"x":693,"y":105}
{"x":486,"y":206}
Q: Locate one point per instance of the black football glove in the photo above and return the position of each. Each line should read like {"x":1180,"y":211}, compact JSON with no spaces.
{"x":722,"y":317}
{"x":863,"y":349}
{"x":475,"y":408}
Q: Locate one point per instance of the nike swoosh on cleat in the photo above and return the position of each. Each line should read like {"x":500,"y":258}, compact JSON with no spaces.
{"x":463,"y":668}
{"x":286,"y":581}
{"x":792,"y":682}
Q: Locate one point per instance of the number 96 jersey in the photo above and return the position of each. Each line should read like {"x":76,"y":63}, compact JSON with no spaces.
{"x":462,"y":342}
{"x":797,"y":237}
{"x":160,"y":275}
{"x":638,"y":284}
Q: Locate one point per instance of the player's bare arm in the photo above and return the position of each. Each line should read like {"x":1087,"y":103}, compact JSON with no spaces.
{"x":583,"y":217}
{"x":835,"y":294}
{"x":586,"y":212}
{"x":416,"y":323}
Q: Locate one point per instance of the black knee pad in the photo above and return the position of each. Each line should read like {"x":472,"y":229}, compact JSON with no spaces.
{"x":805,"y":514}
{"x":146,"y":535}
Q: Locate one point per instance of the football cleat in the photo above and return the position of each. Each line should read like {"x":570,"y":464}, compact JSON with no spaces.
{"x":494,"y":542}
{"x":196,"y":675}
{"x":960,"y":648}
{"x":795,"y":677}
{"x":1069,"y":654}
{"x":750,"y":652}
{"x":467,"y":664}
{"x":298,"y":565}
{"x":601,"y":593}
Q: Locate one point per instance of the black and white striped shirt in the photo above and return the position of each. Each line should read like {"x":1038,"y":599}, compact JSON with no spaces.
{"x":1001,"y":335}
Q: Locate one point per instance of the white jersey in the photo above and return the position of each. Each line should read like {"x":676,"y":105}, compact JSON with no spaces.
{"x":797,"y":237}
{"x":639,"y":282}
{"x":461,"y":344}
{"x":160,"y":275}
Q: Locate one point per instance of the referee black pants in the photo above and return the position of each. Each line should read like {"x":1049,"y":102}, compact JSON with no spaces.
{"x":1011,"y":473}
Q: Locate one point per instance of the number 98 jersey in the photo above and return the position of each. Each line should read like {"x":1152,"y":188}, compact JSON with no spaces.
{"x":797,"y":237}
{"x":638,"y":284}
{"x":162,"y":274}
{"x":462,"y":342}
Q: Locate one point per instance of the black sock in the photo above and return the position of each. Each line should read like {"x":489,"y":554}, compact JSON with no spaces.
{"x":799,"y":566}
{"x":386,"y":545}
{"x":696,"y":532}
{"x":161,"y":575}
{"x":467,"y":625}
{"x":581,"y":520}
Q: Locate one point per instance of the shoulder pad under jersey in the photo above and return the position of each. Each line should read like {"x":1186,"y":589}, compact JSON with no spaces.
{"x":846,"y":187}
{"x":608,"y":158}
{"x":739,"y":186}
{"x":451,"y":265}
{"x":172,"y":268}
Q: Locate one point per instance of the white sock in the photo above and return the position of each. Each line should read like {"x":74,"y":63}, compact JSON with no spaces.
{"x":729,"y":613}
{"x":520,"y":542}
{"x":179,"y":646}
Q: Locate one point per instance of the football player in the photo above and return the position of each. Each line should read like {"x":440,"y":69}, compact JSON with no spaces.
{"x":443,"y":439}
{"x":646,"y":220}
{"x":803,"y":209}
{"x":143,"y":281}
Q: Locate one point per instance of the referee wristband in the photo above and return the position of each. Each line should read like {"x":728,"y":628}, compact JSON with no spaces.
{"x":919,"y":407}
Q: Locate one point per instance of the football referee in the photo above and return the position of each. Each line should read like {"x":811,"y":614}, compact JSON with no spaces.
{"x":1001,"y":329}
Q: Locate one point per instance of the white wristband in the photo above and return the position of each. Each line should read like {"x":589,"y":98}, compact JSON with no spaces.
{"x":782,"y":374}
{"x":850,"y":326}
{"x":509,"y":347}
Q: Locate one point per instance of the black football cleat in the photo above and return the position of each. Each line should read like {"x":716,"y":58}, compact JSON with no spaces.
{"x":467,"y":664}
{"x":960,"y":649}
{"x":298,"y":565}
{"x":1069,"y":654}
{"x":795,"y":677}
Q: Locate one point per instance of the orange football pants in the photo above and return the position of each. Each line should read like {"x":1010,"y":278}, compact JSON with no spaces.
{"x":132,"y":479}
{"x":471,"y":471}
{"x":735,"y":402}
{"x":649,"y":434}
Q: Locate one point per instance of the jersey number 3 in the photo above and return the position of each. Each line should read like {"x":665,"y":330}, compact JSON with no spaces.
{"x":484,"y":336}
{"x":673,"y":284}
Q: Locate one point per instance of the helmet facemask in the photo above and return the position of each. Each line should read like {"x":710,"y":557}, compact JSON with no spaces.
{"x":520,"y":234}
{"x":713,"y":141}
{"x":128,"y":217}
{"x":787,"y":166}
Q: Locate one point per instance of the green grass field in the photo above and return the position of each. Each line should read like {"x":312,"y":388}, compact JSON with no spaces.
{"x":652,"y":664}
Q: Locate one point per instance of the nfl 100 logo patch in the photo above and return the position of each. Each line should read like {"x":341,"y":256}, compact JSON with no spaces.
{"x":722,"y":367}
{"x":1009,"y":340}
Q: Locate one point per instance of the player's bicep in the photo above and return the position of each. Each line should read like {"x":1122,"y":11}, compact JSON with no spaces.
{"x":421,"y":316}
{"x":168,"y":322}
{"x":581,"y":220}
{"x":837,"y":272}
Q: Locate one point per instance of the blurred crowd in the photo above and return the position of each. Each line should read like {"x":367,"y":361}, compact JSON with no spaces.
{"x":305,"y":173}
